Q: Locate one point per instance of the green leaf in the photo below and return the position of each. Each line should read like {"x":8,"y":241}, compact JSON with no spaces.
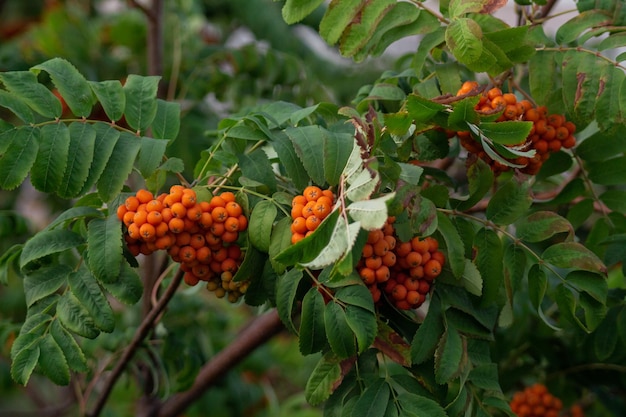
{"x":463,"y":37}
{"x":290,"y":160}
{"x":256,"y":165}
{"x":340,"y":335}
{"x":428,"y":334}
{"x":339,"y":15}
{"x":47,"y":243}
{"x":605,"y":338}
{"x":119,"y":166}
{"x":70,"y":83}
{"x":128,"y":288}
{"x":52,"y":361}
{"x":18,"y":155}
{"x":356,"y":295}
{"x":374,"y":400}
{"x":614,"y":200}
{"x":454,"y":244}
{"x":509,"y":203}
{"x":592,"y":283}
{"x":88,"y":292}
{"x":363,"y":324}
{"x":417,"y":406}
{"x":573,"y":28}
{"x":110,"y":94}
{"x":573,"y":255}
{"x":472,"y":279}
{"x":485,"y":376}
{"x":106,"y":138}
{"x":459,"y":8}
{"x":542,"y":75}
{"x":24,"y":85}
{"x":611,"y":100}
{"x":150,"y":155}
{"x":44,"y":282}
{"x":49,"y":166}
{"x":362,"y":185}
{"x":609,"y":172}
{"x":372,"y":214}
{"x":24,"y":362}
{"x":537,"y":285}
{"x":514,"y":267}
{"x":480,"y":178}
{"x":359,"y":32}
{"x":166,"y":123}
{"x":542,"y":225}
{"x":343,"y":239}
{"x":450,"y":356}
{"x":286,"y":289}
{"x":410,"y":173}
{"x":260,"y":225}
{"x":280,"y":240}
{"x":324,"y":378}
{"x":81,"y":153}
{"x":141,"y":104}
{"x":71,"y":350}
{"x":295,"y":10}
{"x":104,"y":241}
{"x":601,"y":146}
{"x":75,"y":317}
{"x":308,"y":142}
{"x":312,"y":332}
{"x":506,"y":132}
{"x":17,"y":106}
{"x":422,"y":110}
{"x":489,"y":254}
{"x":337,"y":149}
{"x":567,"y":306}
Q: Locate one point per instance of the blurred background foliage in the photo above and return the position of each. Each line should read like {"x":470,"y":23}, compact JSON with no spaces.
{"x":220,"y":57}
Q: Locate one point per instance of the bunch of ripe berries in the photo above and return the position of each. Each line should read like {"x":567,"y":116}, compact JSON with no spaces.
{"x":537,"y":401}
{"x":200,"y":235}
{"x":549,"y":133}
{"x":404,"y":271}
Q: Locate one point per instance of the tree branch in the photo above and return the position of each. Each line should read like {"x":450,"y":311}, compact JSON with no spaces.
{"x":255,"y":334}
{"x":141,"y":333}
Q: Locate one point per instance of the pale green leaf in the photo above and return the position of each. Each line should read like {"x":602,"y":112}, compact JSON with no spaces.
{"x":338,"y":16}
{"x":372,"y":214}
{"x":463,"y":37}
{"x":362,"y":185}
{"x":295,"y":10}
{"x":343,"y":238}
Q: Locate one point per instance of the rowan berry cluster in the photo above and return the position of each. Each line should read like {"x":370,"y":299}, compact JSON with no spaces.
{"x":549,"y":133}
{"x":308,"y":210}
{"x":404,"y":271}
{"x":200,"y":235}
{"x":536,"y":401}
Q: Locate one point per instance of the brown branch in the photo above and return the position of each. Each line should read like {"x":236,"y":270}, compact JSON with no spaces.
{"x":255,"y":334}
{"x":141,"y":333}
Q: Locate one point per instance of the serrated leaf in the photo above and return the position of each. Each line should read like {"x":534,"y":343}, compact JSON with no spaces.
{"x":485,"y":376}
{"x":71,"y":350}
{"x":363,"y":324}
{"x":537,"y":285}
{"x":374,"y":400}
{"x":605,"y":338}
{"x":74,"y":317}
{"x":592,"y":283}
{"x":542,"y":225}
{"x":428,"y":334}
{"x":362,"y":185}
{"x":449,"y":356}
{"x":356,"y":295}
{"x":119,"y":166}
{"x":52,"y":361}
{"x":290,"y":160}
{"x":509,"y":203}
{"x":312,"y":333}
{"x":47,"y":243}
{"x":343,"y":238}
{"x":340,"y":336}
{"x":461,"y":7}
{"x":614,"y":200}
{"x":286,"y":289}
{"x":611,"y":100}
{"x":166,"y":123}
{"x":80,"y":155}
{"x":104,"y":241}
{"x":608,"y":172}
{"x":128,"y":288}
{"x":70,"y":83}
{"x":141,"y":104}
{"x":337,"y":150}
{"x":24,"y":84}
{"x":257,"y":165}
{"x":261,"y":223}
{"x":17,"y":106}
{"x":510,"y":132}
{"x":463,"y":37}
{"x":514,"y":267}
{"x":308,"y":142}
{"x":472,"y":279}
{"x":337,"y":18}
{"x":44,"y":282}
{"x":110,"y":94}
{"x":150,"y":155}
{"x":279,"y":241}
{"x":422,"y":110}
{"x":253,"y":262}
{"x":466,"y":324}
{"x":49,"y":166}
{"x":24,"y":362}
{"x":358,"y":33}
{"x":454,"y":245}
{"x":295,"y":10}
{"x":542,"y":74}
{"x":372,"y":214}
{"x":417,"y":405}
{"x":571,"y":30}
{"x":88,"y":292}
{"x":18,"y":155}
{"x":410,"y":173}
{"x":324,"y":378}
{"x":106,"y":138}
{"x":480,"y":178}
{"x":573,"y":255}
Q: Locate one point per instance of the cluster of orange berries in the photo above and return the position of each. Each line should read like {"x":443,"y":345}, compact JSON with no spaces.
{"x":200,"y":235}
{"x":536,"y":401}
{"x":549,"y":133}
{"x":308,"y":210}
{"x":403,"y":270}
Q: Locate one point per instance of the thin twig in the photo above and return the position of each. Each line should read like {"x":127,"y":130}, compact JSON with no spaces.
{"x":141,"y":333}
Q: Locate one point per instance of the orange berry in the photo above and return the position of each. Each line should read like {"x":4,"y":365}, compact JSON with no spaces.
{"x":374,"y":236}
{"x":570,"y":142}
{"x":217,"y":229}
{"x":154,"y":218}
{"x":121,"y":211}
{"x":219,"y":214}
{"x":531,"y":115}
{"x":493,"y":93}
{"x":329,"y":194}
{"x":433,"y":244}
{"x":571,"y":127}
{"x":187,"y":254}
{"x":389,"y":259}
{"x":191,"y":226}
{"x":234,"y":209}
{"x":374,"y":262}
{"x":189,"y":198}
{"x":510,"y":112}
{"x":414,"y":259}
{"x":217,"y":201}
{"x":312,"y":222}
{"x":381,"y":247}
{"x":296,"y":237}
{"x":296,"y":210}
{"x":132,"y":203}
{"x":220,"y":254}
{"x":190,"y":278}
{"x":163,"y":242}
{"x":170,"y":199}
{"x":212,"y":240}
{"x":162,"y":229}
{"x":128,"y":217}
{"x":432,"y":268}
{"x":403,"y":249}
{"x":144,"y":196}
{"x":232,"y":224}
{"x":382,"y":273}
{"x":299,"y":199}
{"x":140,"y":217}
{"x":562,"y":133}
{"x":154,"y":205}
{"x":147,"y":232}
{"x":419,"y":246}
{"x":309,"y":209}
{"x":439,"y":256}
{"x":196,"y":241}
{"x":206,"y":220}
{"x":176,"y":225}
{"x":541,"y":146}
{"x":243,"y":222}
{"x":194,"y":213}
{"x":556,"y":120}
{"x":555,"y":145}
{"x":549,"y":134}
{"x":230,"y":237}
{"x":228,"y":196}
{"x":183,"y":239}
{"x":229,"y":265}
{"x":299,"y":225}
{"x":391,"y":241}
{"x":399,"y":292}
{"x":368,"y":276}
{"x":178,"y":210}
{"x":133,"y":231}
{"x":312,"y":193}
{"x":509,"y":98}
